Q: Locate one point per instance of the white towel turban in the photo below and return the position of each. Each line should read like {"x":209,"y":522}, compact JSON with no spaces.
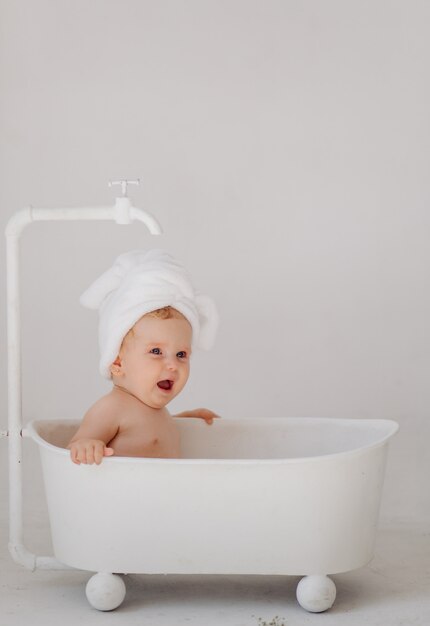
{"x":140,"y":282}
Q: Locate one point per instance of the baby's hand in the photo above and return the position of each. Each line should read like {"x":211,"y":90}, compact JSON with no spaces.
{"x":204,"y":414}
{"x":89,"y":451}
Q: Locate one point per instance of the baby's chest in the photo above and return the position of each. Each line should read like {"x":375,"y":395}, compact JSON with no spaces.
{"x":146,"y":437}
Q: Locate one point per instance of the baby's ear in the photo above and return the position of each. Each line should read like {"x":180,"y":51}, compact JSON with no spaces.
{"x":116,"y":367}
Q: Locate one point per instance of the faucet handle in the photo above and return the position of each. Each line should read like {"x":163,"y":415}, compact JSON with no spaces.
{"x":124,"y":184}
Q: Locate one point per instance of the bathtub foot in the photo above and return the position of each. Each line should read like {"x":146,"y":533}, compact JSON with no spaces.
{"x":316,"y":593}
{"x":105,"y":592}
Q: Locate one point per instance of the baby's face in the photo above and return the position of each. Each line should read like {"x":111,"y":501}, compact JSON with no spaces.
{"x":155,"y":359}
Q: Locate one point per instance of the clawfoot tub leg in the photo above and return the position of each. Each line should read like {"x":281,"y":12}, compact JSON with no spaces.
{"x":105,"y":592}
{"x":316,"y":593}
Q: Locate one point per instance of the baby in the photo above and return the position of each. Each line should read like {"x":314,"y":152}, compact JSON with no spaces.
{"x":150,"y":320}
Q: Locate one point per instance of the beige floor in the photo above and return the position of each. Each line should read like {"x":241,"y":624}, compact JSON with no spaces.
{"x":393,"y":590}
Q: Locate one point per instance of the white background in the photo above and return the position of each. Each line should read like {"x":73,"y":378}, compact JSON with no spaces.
{"x":284,"y":147}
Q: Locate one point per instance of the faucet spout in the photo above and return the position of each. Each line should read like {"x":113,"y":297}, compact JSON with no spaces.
{"x":149,"y":220}
{"x":125,"y":213}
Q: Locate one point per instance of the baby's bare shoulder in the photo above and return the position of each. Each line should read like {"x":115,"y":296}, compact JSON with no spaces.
{"x":101,"y":421}
{"x":105,"y":407}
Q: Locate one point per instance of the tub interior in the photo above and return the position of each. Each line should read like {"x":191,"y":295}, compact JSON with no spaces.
{"x":254,"y":438}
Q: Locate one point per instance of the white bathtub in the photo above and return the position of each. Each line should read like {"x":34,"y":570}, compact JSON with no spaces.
{"x":295,"y":496}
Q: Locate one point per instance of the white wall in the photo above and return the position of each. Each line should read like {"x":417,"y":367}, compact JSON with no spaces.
{"x":283,"y":146}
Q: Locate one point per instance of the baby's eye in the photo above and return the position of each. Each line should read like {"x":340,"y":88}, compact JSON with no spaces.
{"x":182,"y":354}
{"x":155,"y":351}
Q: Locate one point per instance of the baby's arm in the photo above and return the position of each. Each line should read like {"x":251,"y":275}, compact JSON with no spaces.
{"x":204,"y":414}
{"x":99,"y":426}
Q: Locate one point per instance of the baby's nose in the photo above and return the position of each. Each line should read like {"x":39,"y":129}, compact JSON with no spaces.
{"x":171,"y":363}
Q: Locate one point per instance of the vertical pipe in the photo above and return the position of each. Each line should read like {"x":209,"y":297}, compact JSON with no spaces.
{"x":14,"y":395}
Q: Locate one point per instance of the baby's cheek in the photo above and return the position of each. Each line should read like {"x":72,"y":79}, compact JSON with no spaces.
{"x":181,"y":384}
{"x":186,"y":376}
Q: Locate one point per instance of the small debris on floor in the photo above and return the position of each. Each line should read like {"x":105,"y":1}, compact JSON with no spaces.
{"x":274,"y":622}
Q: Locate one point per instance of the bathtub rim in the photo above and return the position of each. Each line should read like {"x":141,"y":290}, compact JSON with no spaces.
{"x":392,"y":428}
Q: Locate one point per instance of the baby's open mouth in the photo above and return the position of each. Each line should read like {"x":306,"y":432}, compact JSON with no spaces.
{"x":165,"y":384}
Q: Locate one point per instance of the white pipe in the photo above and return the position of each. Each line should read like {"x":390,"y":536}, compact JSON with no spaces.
{"x":22,"y":556}
{"x":14,"y":387}
{"x":122,"y":213}
{"x":149,"y":221}
{"x":18,"y":222}
{"x":31,"y":561}
{"x":50,"y":562}
{"x":81,"y":213}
